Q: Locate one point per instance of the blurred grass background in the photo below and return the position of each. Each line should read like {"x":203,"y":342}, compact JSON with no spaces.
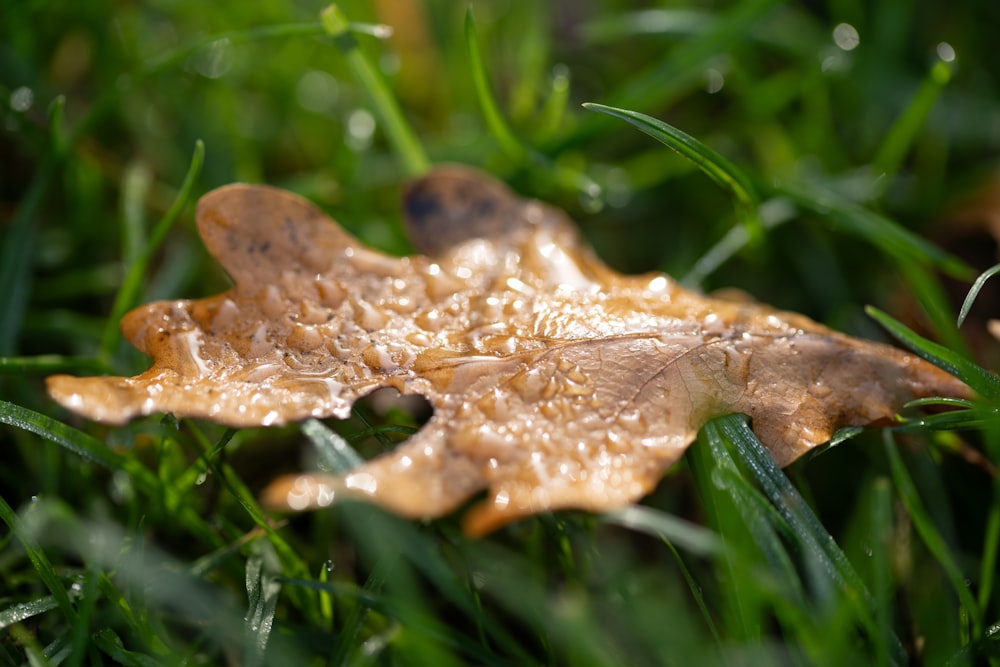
{"x":149,"y":548}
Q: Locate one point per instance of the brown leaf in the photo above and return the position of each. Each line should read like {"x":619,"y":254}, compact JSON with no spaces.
{"x":556,"y":382}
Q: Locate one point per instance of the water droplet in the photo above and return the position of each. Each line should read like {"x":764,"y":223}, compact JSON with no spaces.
{"x":946,"y":52}
{"x":846,"y":36}
{"x":317,"y":91}
{"x":714,"y":80}
{"x":360,"y":129}
{"x":591,"y":200}
{"x":21,"y":99}
{"x":215,"y":60}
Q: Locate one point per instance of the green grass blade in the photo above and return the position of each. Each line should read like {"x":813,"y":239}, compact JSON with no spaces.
{"x":45,"y":364}
{"x":508,"y":142}
{"x":990,"y":565}
{"x":237,"y":488}
{"x":732,"y":242}
{"x":18,"y":247}
{"x":381,"y":535}
{"x":746,"y":532}
{"x":40,"y":561}
{"x":95,"y":451}
{"x":108,"y":641}
{"x":262,"y":597}
{"x":980,"y":380}
{"x":901,"y":135}
{"x":977,"y":286}
{"x":879,"y":539}
{"x":516,"y":150}
{"x":22,"y":611}
{"x":136,"y":182}
{"x":133,"y":609}
{"x":934,"y":302}
{"x":553,"y":111}
{"x":697,"y":593}
{"x":683,"y":68}
{"x":16,"y":256}
{"x":887,"y":235}
{"x":699,"y":541}
{"x":834,"y":568}
{"x":991,"y":551}
{"x":75,"y":441}
{"x":408,"y":148}
{"x":82,"y":628}
{"x":335,"y":454}
{"x":372,"y":588}
{"x":711,"y":163}
{"x":931,"y":537}
{"x":128,"y":295}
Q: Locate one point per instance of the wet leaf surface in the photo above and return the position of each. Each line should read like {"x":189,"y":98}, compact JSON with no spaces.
{"x":555,"y":381}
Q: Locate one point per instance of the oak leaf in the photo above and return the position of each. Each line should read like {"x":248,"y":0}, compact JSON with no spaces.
{"x":555,"y":381}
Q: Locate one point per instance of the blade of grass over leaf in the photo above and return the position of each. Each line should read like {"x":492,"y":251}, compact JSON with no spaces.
{"x":334,"y":453}
{"x":713,"y":165}
{"x":973,"y":294}
{"x":930,"y":535}
{"x":831,"y":570}
{"x":980,"y":380}
{"x":669,"y":528}
{"x":742,"y":535}
{"x":408,"y":148}
{"x":128,"y":295}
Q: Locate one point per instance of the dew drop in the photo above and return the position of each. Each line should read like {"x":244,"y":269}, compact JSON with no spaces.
{"x":846,"y":37}
{"x":22,"y":98}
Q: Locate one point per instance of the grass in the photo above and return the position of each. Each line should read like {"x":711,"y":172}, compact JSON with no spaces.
{"x":817,"y":177}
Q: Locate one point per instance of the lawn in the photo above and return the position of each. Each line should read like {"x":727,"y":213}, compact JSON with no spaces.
{"x":838,"y":159}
